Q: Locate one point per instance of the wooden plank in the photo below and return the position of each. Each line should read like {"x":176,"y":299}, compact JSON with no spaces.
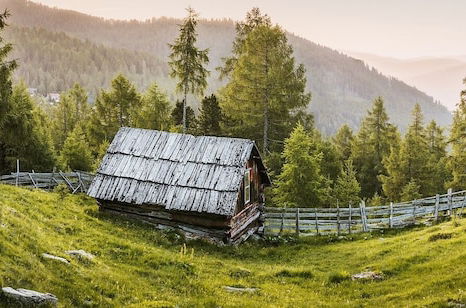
{"x":349,"y":219}
{"x":297,"y":221}
{"x":449,"y":201}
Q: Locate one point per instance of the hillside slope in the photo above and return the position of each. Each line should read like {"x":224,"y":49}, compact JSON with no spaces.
{"x":443,"y":76}
{"x":342,"y":87}
{"x":136,"y":266}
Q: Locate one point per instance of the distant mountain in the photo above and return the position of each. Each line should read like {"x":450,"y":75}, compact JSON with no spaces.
{"x":441,"y":77}
{"x":342,"y":87}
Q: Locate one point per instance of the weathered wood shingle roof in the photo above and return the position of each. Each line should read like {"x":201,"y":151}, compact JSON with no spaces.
{"x":177,"y":171}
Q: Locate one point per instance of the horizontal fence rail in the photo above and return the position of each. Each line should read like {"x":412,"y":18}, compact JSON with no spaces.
{"x":77,"y":181}
{"x":315,"y":221}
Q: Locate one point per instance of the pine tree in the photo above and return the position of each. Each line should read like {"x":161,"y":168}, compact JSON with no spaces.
{"x":187,"y":62}
{"x":264,"y":70}
{"x":411,"y":191}
{"x":457,"y":158}
{"x":437,"y":160}
{"x":347,"y":188}
{"x":394,"y":181}
{"x":113,"y":109}
{"x":155,"y":111}
{"x":76,"y":153}
{"x":26,"y":138}
{"x":101,"y":151}
{"x":370,"y":147}
{"x":6,"y":70}
{"x":414,"y":153}
{"x":210,"y":117}
{"x":300,"y":184}
{"x":342,"y":141}
{"x":72,"y":109}
{"x":177,"y":118}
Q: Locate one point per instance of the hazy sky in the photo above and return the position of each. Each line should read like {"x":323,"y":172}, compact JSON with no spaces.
{"x":397,"y":28}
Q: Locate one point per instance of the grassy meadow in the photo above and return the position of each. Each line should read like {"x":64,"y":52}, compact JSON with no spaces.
{"x":137,"y":266}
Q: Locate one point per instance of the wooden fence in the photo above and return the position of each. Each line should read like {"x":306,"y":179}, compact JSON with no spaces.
{"x":78,"y":181}
{"x":315,"y":221}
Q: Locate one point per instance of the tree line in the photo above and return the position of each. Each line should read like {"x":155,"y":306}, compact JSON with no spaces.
{"x":264,"y":99}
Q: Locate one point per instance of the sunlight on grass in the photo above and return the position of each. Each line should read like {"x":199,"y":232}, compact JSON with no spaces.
{"x":137,"y":266}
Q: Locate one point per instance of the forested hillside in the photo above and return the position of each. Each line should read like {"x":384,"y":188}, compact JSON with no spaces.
{"x":342,"y":87}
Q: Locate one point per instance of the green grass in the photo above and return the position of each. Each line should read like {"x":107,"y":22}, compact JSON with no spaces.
{"x":136,"y":266}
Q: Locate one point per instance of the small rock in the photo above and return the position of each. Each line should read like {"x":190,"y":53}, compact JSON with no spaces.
{"x":52,"y":257}
{"x":80,"y":254}
{"x":28,"y":298}
{"x":367,"y":276}
{"x":240,"y":290}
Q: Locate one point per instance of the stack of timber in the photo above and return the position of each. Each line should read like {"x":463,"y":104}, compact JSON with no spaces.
{"x":203,"y":185}
{"x":77,"y":181}
{"x":338,"y":220}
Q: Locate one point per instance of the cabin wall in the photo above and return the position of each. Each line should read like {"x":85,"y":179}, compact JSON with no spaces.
{"x":216,"y":228}
{"x":256,"y":187}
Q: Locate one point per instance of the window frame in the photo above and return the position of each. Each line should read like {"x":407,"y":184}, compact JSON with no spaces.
{"x":247,"y":186}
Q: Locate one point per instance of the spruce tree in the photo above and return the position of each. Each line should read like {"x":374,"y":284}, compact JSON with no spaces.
{"x":177,"y":118}
{"x":370,"y":146}
{"x":437,"y":161}
{"x":457,"y":158}
{"x":210,"y":117}
{"x":300,"y":184}
{"x":411,"y":191}
{"x":264,"y":70}
{"x":76,"y":153}
{"x":155,"y":111}
{"x":342,"y":141}
{"x":72,"y":109}
{"x":347,"y":188}
{"x":414,"y":153}
{"x":113,"y":109}
{"x":6,"y":69}
{"x":27,"y":137}
{"x":394,"y":181}
{"x":187,"y":62}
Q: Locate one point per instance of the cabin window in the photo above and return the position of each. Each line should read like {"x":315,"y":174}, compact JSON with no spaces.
{"x":247,"y":186}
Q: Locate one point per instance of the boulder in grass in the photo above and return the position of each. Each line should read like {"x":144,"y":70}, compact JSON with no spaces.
{"x":52,"y":257}
{"x":367,"y":276}
{"x":27,"y":298}
{"x":81,"y":254}
{"x":240,"y":290}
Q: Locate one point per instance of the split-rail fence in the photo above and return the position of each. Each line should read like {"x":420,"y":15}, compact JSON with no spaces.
{"x":352,"y":219}
{"x":77,"y":181}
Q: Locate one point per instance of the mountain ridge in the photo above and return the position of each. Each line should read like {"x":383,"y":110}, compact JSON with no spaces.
{"x":342,"y":87}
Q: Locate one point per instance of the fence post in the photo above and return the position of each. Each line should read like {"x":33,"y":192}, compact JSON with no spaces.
{"x":17,"y":172}
{"x":414,"y":203}
{"x":362,"y":207}
{"x":449,"y":199}
{"x":297,"y":221}
{"x":390,"y":219}
{"x":283,"y":220}
{"x":317,"y":223}
{"x":462,"y":205}
{"x":338,"y":219}
{"x":437,"y":203}
{"x":349,"y":219}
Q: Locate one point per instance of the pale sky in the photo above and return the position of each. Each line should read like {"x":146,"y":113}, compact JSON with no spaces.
{"x":395,"y":28}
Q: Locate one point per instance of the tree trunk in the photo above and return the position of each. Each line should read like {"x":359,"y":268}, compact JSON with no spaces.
{"x":184,"y":108}
{"x":266,"y":106}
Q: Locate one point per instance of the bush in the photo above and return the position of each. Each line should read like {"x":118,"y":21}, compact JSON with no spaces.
{"x":337,"y":277}
{"x":439,"y":236}
{"x":62,"y":190}
{"x":295,"y":274}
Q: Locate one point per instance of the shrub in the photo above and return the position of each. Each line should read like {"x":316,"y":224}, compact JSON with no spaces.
{"x":295,"y":274}
{"x":62,"y":190}
{"x":439,"y":236}
{"x":337,"y":277}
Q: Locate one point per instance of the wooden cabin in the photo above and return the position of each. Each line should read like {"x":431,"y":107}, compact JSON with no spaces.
{"x":210,"y":187}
